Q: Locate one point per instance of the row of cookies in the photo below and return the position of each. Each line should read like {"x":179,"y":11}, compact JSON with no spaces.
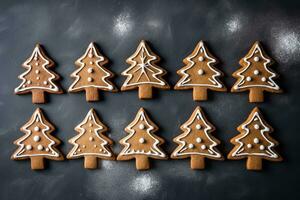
{"x":199,"y":74}
{"x":196,"y":141}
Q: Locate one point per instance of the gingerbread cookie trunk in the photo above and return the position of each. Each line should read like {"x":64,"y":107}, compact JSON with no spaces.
{"x":38,"y":79}
{"x":37,"y":143}
{"x":254,"y":142}
{"x":143,"y":72}
{"x":200,"y":74}
{"x":91,"y":76}
{"x":90,"y":143}
{"x":141,"y":143}
{"x":255,"y":75}
{"x":196,"y":141}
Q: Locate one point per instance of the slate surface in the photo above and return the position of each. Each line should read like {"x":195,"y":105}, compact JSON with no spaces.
{"x":173,"y":28}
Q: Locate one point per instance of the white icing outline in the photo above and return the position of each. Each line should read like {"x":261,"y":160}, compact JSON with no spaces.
{"x":75,"y":75}
{"x":237,"y":152}
{"x":126,"y":151}
{"x":142,"y":47}
{"x":183,"y":81}
{"x":36,"y":52}
{"x":82,"y":132}
{"x":272,"y":85}
{"x":178,"y":152}
{"x":36,"y":117}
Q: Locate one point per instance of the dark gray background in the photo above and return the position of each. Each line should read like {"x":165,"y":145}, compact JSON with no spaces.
{"x":173,"y":28}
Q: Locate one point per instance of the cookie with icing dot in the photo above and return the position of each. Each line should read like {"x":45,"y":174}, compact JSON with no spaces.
{"x":141,"y":142}
{"x":90,"y":142}
{"x":254,"y":142}
{"x":200,"y":73}
{"x":38,"y":78}
{"x":37,"y":144}
{"x":197,"y":141}
{"x":91,"y":75}
{"x":255,"y":74}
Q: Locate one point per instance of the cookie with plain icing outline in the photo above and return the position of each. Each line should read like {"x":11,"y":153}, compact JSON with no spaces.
{"x":255,"y":74}
{"x":200,"y":74}
{"x":38,"y":79}
{"x":91,"y":143}
{"x":91,"y":74}
{"x":141,"y":143}
{"x":143,"y":72}
{"x":37,"y":144}
{"x":196,"y":141}
{"x":254,"y":142}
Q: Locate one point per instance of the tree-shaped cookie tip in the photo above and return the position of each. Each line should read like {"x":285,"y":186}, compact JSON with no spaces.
{"x":38,"y":79}
{"x":143,"y":72}
{"x":255,"y":74}
{"x":141,"y":143}
{"x":90,"y":142}
{"x":200,"y":73}
{"x":37,"y":143}
{"x":91,"y":74}
{"x":254,"y":142}
{"x":196,"y":141}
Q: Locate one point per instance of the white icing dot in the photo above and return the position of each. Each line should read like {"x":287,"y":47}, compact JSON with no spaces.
{"x":256,"y":140}
{"x":45,"y":82}
{"x":90,"y":130}
{"x":28,"y":147}
{"x":256,"y":59}
{"x":37,"y":71}
{"x":47,"y":149}
{"x":90,"y":55}
{"x":100,"y":150}
{"x":201,"y":58}
{"x":40,"y":147}
{"x":262,"y":147}
{"x":37,"y":78}
{"x":198,"y":140}
{"x":83,"y":146}
{"x":29,"y":82}
{"x":198,"y":126}
{"x":90,"y":70}
{"x":263,"y":79}
{"x":36,"y":128}
{"x":191,"y":146}
{"x":203,"y":147}
{"x":36,"y":63}
{"x":36,"y":138}
{"x":142,"y":140}
{"x":91,"y":62}
{"x":256,"y":126}
{"x":50,"y":86}
{"x":79,"y":150}
{"x":249,"y":146}
{"x":95,"y":146}
{"x":90,"y":79}
{"x":23,"y":86}
{"x":256,"y":72}
{"x":200,"y":72}
{"x":141,"y":126}
{"x":248,"y":78}
{"x":74,"y":153}
{"x":35,"y":58}
{"x":91,"y":139}
{"x":90,"y":125}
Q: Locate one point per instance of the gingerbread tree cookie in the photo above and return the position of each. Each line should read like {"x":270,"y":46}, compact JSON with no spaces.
{"x":91,"y":74}
{"x":143,"y":72}
{"x":254,"y":142}
{"x":37,"y":143}
{"x":141,"y":143}
{"x":38,"y":79}
{"x":196,"y":141}
{"x":200,"y":74}
{"x":91,"y":143}
{"x":255,"y":75}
